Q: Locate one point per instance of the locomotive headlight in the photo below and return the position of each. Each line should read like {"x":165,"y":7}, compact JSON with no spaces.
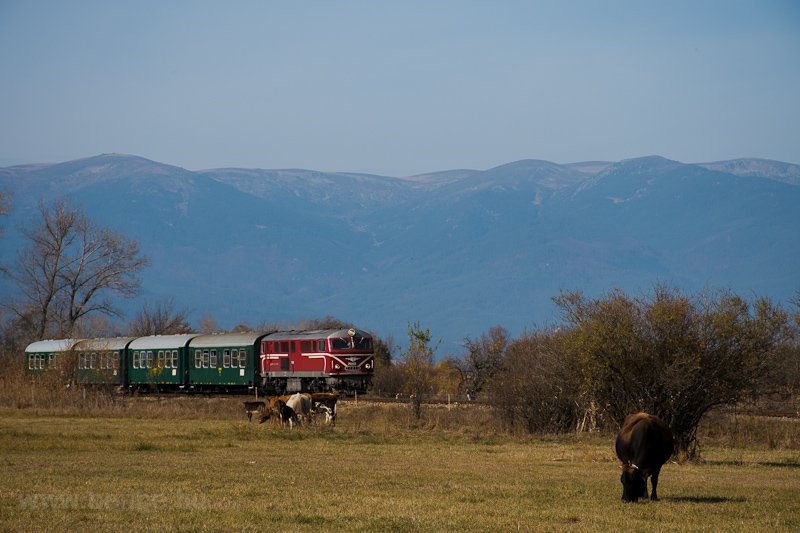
{"x":337,"y":366}
{"x":368,"y":366}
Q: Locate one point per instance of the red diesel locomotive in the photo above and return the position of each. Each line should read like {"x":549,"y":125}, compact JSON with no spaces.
{"x":317,"y":360}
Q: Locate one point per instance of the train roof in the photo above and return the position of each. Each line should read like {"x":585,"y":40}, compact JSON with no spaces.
{"x":221,"y":340}
{"x":52,"y":345}
{"x":115,"y":343}
{"x":161,"y":342}
{"x":317,"y":334}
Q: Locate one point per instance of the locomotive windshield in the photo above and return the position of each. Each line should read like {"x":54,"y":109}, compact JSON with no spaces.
{"x":352,"y":343}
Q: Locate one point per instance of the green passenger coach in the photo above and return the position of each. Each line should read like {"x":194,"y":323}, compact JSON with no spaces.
{"x":101,"y":361}
{"x":224,"y":360}
{"x":41,"y":355}
{"x":159,"y":361}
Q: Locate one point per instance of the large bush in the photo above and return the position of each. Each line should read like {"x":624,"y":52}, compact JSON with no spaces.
{"x":537,"y":385}
{"x":673,"y":355}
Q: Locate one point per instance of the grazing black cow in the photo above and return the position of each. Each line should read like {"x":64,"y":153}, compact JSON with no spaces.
{"x":643,"y":445}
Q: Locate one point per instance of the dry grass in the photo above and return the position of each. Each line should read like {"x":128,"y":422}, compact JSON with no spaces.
{"x":377,"y":471}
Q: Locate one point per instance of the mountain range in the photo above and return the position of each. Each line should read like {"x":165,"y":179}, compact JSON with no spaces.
{"x":458,"y":250}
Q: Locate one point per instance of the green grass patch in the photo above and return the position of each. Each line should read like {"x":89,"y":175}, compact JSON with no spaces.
{"x":122,"y":473}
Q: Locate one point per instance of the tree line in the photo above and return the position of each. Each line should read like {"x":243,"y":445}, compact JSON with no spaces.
{"x":673,"y":354}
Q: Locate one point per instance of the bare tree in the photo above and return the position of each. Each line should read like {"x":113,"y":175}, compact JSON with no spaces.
{"x":484,"y":358}
{"x":208,"y":324}
{"x":162,"y":319}
{"x":71,"y":268}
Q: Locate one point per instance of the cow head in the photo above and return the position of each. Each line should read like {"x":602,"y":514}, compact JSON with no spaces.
{"x":634,"y":484}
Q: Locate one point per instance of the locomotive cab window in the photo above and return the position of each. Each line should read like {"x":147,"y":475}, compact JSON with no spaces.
{"x":341,"y":344}
{"x":363,"y":343}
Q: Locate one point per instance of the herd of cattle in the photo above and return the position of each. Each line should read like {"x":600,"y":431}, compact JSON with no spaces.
{"x":294,"y":409}
{"x":643,"y":445}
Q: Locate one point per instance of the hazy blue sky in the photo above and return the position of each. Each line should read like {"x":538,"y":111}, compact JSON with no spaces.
{"x":398,"y":87}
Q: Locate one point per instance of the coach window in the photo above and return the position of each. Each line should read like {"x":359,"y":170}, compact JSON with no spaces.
{"x":149,"y":359}
{"x":226,"y":359}
{"x":205,"y":358}
{"x":198,"y":359}
{"x":242,"y":358}
{"x":213,"y":363}
{"x":81,"y":361}
{"x":161,"y":362}
{"x":174,"y":358}
{"x":93,"y":361}
{"x":115,"y":361}
{"x":135,"y":359}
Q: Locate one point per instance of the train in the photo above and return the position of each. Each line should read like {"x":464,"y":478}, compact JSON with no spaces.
{"x":281,"y":362}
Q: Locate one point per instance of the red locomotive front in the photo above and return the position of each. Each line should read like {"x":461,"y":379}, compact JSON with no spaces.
{"x":330,"y":359}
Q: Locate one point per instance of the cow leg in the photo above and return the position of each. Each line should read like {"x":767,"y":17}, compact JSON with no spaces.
{"x":654,"y":481}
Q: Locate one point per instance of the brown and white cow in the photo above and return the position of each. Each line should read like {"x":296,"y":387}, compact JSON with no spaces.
{"x":324,"y":403}
{"x":643,"y":445}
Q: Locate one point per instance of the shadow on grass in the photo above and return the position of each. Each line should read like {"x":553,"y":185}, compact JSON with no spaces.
{"x":703,"y":499}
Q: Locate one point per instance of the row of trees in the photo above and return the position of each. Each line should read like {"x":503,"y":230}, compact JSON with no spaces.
{"x":668,"y":353}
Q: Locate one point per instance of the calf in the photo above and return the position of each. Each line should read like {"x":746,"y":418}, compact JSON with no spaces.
{"x":643,"y":445}
{"x":326,"y":412}
{"x":251,"y":408}
{"x":325,"y":402}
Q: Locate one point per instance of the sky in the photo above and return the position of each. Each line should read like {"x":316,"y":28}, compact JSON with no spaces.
{"x":398,"y":88}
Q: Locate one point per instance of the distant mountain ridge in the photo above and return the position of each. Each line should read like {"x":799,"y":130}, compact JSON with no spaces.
{"x":459,"y":250}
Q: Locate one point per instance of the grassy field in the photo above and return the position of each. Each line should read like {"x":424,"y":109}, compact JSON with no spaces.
{"x":62,"y":471}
